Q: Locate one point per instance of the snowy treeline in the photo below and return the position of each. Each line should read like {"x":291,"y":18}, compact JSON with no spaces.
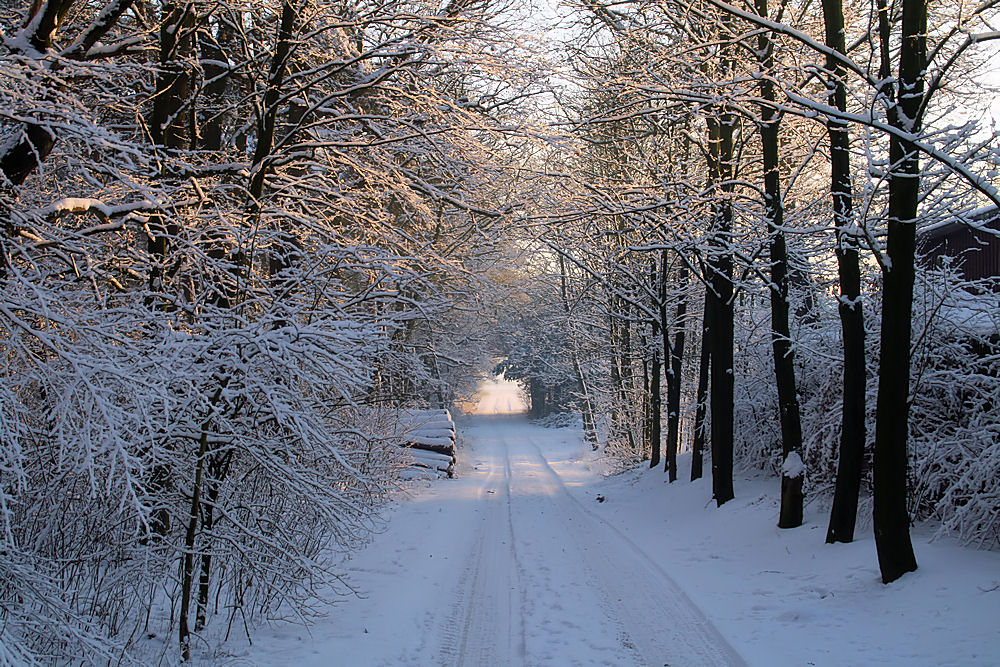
{"x":733,"y":251}
{"x":236,"y":239}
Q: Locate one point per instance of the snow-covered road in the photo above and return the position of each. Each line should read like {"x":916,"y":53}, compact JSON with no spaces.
{"x":509,"y":565}
{"x":516,"y":562}
{"x":546,"y":581}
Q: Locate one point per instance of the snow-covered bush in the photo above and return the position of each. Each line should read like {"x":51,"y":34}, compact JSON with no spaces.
{"x":115,"y":424}
{"x":954,"y":429}
{"x":232,"y":257}
{"x":954,"y":433}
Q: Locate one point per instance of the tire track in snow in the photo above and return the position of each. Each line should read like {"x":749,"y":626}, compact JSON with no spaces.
{"x":658,"y":621}
{"x":486,"y":626}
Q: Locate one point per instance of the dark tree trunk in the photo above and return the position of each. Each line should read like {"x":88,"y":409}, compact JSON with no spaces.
{"x":891,"y":518}
{"x":24,"y":155}
{"x":589,"y":427}
{"x":213,"y":52}
{"x":627,"y":374}
{"x":187,"y":560}
{"x":616,"y":378}
{"x":674,"y":379}
{"x":655,"y":399}
{"x":701,"y":396}
{"x":844,"y":513}
{"x":36,"y":141}
{"x":160,"y":481}
{"x":622,"y":375}
{"x":205,"y":576}
{"x":720,"y":298}
{"x":646,"y":398}
{"x":722,"y":387}
{"x":21,"y":159}
{"x":267,"y":119}
{"x":537,"y":394}
{"x":781,"y":346}
{"x":168,"y":123}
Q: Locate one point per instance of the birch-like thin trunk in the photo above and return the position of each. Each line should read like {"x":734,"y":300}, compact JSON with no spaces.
{"x":586,"y":406}
{"x":701,"y":396}
{"x":674,"y":377}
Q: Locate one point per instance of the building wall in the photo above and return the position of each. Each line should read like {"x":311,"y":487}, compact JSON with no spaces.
{"x":979,"y":251}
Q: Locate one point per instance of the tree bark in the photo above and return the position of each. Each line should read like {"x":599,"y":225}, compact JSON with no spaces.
{"x":205,"y":576}
{"x":701,"y":397}
{"x":655,"y":399}
{"x":843,"y":514}
{"x":622,"y":378}
{"x":191,"y":534}
{"x":674,"y":379}
{"x":586,"y":407}
{"x":720,"y":300}
{"x":268,"y":114}
{"x":187,"y":560}
{"x":168,"y":124}
{"x":627,"y":375}
{"x":891,"y":518}
{"x":23,"y":156}
{"x":784,"y":356}
{"x":217,"y":78}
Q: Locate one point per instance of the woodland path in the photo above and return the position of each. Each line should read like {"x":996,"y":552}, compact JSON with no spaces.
{"x":508,"y":565}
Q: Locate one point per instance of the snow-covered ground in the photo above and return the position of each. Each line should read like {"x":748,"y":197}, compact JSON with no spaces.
{"x":517,"y":562}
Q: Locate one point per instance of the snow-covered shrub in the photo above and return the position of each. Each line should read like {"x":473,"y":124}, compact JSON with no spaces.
{"x":114,"y":425}
{"x":819,"y":380}
{"x":954,"y":429}
{"x":955,"y":387}
{"x":757,"y":433}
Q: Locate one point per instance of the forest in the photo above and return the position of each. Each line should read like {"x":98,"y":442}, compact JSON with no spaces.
{"x":240,"y":241}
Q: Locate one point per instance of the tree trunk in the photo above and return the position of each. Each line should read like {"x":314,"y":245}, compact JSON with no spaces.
{"x":701,"y":396}
{"x":190,"y":536}
{"x":720,"y":299}
{"x":674,"y":379}
{"x":627,"y":376}
{"x":268,"y":114}
{"x":21,"y":157}
{"x":213,"y":52}
{"x":187,"y":560}
{"x":616,"y":378}
{"x":781,"y":346}
{"x":891,"y":518}
{"x":205,"y":576}
{"x":622,"y":378}
{"x":844,"y":513}
{"x":168,"y":124}
{"x":586,"y":408}
{"x":654,"y":397}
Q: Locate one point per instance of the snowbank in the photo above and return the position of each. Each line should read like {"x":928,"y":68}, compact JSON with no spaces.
{"x":784,"y":597}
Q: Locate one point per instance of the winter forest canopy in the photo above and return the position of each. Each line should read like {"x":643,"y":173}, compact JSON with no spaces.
{"x":239,"y":239}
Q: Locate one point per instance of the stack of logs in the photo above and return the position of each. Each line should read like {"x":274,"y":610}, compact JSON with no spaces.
{"x":429,"y":436}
